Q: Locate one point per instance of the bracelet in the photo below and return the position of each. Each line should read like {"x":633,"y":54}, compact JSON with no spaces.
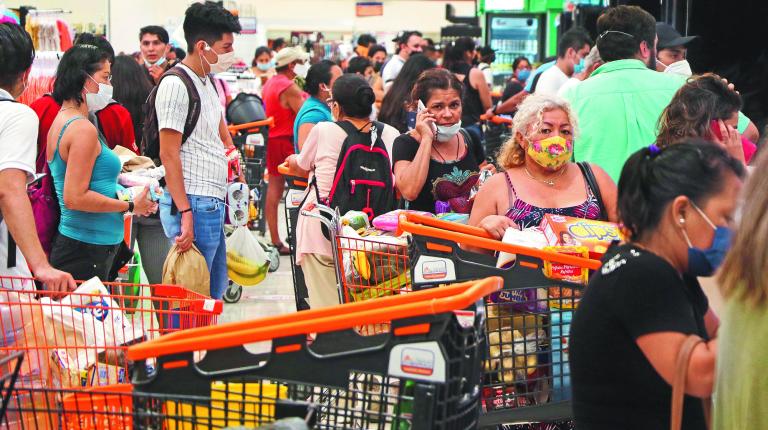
{"x":189,"y":209}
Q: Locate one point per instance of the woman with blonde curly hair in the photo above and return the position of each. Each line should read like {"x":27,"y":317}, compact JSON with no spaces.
{"x":540,"y":177}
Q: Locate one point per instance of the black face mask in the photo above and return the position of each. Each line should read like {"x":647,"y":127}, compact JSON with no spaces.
{"x":377,"y":66}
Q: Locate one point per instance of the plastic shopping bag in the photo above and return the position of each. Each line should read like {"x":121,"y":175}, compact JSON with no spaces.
{"x":91,"y":322}
{"x":187,"y":269}
{"x":247,"y":263}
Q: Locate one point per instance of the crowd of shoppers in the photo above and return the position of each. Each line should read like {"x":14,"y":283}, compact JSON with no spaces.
{"x":623,"y":107}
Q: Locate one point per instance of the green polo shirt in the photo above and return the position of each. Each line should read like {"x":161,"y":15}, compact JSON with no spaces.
{"x":618,"y":110}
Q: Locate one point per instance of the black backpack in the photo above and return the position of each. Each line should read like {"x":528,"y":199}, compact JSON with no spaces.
{"x":150,"y":139}
{"x":363,"y":180}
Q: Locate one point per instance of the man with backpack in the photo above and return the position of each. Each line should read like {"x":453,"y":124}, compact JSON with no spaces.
{"x":21,"y":254}
{"x":185,"y":128}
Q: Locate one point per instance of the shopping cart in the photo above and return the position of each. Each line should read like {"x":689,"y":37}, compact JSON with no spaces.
{"x":9,"y":372}
{"x":498,"y":129}
{"x":296,"y":189}
{"x":79,"y":339}
{"x":526,"y":377}
{"x":423,"y":373}
{"x":251,"y":139}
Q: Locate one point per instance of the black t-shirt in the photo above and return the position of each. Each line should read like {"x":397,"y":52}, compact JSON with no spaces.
{"x":614,"y":386}
{"x":512,"y":88}
{"x":450,"y":182}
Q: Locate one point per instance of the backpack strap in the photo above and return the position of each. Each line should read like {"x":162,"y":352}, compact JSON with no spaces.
{"x":589,"y":177}
{"x":193,"y":110}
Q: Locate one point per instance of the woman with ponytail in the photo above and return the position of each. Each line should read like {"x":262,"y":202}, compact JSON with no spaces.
{"x":351,"y":101}
{"x":676,"y":205}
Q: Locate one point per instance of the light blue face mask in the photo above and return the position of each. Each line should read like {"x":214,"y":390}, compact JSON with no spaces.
{"x":264,"y":66}
{"x":580,"y":66}
{"x":705,"y":262}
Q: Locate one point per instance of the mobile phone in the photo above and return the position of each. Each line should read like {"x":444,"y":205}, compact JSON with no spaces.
{"x":716,"y":130}
{"x":411,"y":116}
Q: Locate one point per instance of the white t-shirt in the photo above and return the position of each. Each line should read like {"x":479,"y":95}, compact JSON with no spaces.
{"x":18,"y":150}
{"x":320,"y":155}
{"x":570,"y":83}
{"x":392,"y":69}
{"x":487,"y":73}
{"x":203,"y":159}
{"x":551,"y":81}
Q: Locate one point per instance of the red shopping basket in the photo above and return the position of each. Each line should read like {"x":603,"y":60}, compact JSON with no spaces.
{"x":79,"y":339}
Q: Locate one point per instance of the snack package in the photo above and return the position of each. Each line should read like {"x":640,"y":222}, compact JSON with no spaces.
{"x":561,"y":379}
{"x":568,"y":231}
{"x":529,"y":238}
{"x":454,"y":217}
{"x":567,"y":272}
{"x":388,"y":221}
{"x":101,"y":374}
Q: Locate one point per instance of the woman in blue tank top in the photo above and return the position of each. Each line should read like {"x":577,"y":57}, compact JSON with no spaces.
{"x":85,"y":170}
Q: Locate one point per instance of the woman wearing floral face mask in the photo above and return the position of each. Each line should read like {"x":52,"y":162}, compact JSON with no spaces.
{"x":540,"y":177}
{"x":438,"y":164}
{"x":85,"y":170}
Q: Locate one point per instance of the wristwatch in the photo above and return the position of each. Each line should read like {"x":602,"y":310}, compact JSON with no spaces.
{"x":130,"y":207}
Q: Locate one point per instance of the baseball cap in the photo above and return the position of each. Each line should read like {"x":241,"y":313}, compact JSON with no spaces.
{"x":288,"y":55}
{"x":669,"y":37}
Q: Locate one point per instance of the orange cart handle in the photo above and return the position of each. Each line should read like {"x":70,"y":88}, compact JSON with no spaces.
{"x":284,"y":170}
{"x":420,"y":224}
{"x":495,"y":119}
{"x":426,"y":302}
{"x":269,"y":122}
{"x":441,"y":224}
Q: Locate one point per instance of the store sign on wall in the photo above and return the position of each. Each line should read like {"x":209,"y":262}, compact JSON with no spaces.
{"x":369,"y":8}
{"x":248,"y":24}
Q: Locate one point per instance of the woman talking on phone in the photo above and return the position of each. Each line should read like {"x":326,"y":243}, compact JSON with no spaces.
{"x":437,"y":164}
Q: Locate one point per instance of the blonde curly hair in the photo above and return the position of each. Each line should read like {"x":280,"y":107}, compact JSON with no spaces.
{"x":527,"y":121}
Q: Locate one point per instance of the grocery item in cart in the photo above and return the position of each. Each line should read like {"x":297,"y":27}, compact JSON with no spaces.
{"x":97,"y":320}
{"x":247,"y":263}
{"x":388,"y":221}
{"x":597,"y":236}
{"x":567,"y":272}
{"x":368,"y":261}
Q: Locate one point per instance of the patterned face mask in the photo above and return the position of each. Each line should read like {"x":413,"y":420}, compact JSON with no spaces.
{"x":552,"y":153}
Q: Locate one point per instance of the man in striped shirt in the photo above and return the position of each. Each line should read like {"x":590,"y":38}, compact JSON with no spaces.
{"x":196,"y":171}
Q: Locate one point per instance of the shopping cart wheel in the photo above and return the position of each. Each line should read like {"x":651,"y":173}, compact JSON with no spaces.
{"x":274,"y":259}
{"x":233,"y":293}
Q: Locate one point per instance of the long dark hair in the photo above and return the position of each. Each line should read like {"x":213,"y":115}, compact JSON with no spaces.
{"x":454,"y":55}
{"x":696,"y":104}
{"x":653,"y":177}
{"x":79,"y":62}
{"x":393,"y":106}
{"x":131,"y":88}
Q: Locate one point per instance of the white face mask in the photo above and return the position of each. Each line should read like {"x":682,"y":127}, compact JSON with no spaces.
{"x":159,"y":62}
{"x":301,"y":69}
{"x":223,"y":62}
{"x":447,"y":132}
{"x":100,"y":100}
{"x":681,"y":67}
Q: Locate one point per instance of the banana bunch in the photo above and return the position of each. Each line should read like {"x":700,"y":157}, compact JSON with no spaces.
{"x":244,"y":271}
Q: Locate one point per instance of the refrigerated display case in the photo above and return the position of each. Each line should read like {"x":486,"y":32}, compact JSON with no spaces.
{"x":514,"y":35}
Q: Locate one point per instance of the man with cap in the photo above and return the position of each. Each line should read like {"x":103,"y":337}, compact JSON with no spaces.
{"x":282,"y":101}
{"x":408,"y":42}
{"x":671,"y":50}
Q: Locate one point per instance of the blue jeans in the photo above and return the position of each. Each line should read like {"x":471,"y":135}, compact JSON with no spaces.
{"x":208,"y":220}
